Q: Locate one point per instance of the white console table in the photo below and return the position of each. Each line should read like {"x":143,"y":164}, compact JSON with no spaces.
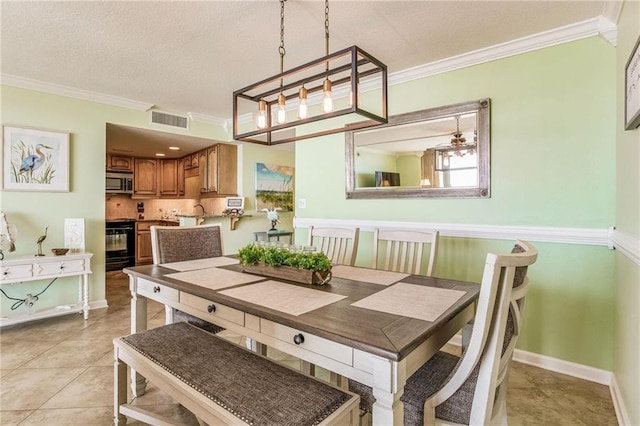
{"x":31,"y":268}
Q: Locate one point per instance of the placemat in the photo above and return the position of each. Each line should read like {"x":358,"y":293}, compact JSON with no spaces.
{"x":375,"y":276}
{"x":411,"y":300}
{"x":207,"y":262}
{"x":282,"y":297}
{"x":214,"y":278}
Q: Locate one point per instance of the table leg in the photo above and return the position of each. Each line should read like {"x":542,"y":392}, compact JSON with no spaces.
{"x":388,"y":386}
{"x":138,"y":323}
{"x":85,"y":295}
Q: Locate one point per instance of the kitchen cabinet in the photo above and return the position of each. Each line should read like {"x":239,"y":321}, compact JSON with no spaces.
{"x":181,"y":177}
{"x":116,"y":162}
{"x":218,"y":169}
{"x":144,"y":253}
{"x":191,"y":161}
{"x":145,"y":177}
{"x":168,"y":177}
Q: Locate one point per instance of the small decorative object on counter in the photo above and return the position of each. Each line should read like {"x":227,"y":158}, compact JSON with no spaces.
{"x":272,"y":215}
{"x":294,"y":265}
{"x":8,"y":235}
{"x":59,"y":251}
{"x":40,"y":240}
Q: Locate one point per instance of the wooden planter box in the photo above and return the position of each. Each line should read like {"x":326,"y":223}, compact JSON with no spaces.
{"x":288,"y":273}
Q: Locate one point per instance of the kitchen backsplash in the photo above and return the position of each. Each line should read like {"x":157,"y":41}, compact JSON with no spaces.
{"x":122,"y":206}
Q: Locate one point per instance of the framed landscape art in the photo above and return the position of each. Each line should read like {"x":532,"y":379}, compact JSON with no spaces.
{"x":274,"y":187}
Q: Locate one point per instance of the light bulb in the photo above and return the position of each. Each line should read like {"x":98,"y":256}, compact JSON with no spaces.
{"x":282,"y":114}
{"x":303,"y":112}
{"x":261,"y":117}
{"x":327,"y":102}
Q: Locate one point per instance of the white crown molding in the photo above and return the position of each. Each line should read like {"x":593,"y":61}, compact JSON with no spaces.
{"x":628,"y":245}
{"x":577,"y":31}
{"x":57,"y":89}
{"x":584,"y":236}
{"x":210,"y":119}
{"x":602,"y":25}
{"x":612,"y":9}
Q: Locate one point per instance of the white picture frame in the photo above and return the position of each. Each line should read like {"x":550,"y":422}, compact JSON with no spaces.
{"x":234,"y":203}
{"x":74,"y":235}
{"x":632,"y":89}
{"x":34,"y":160}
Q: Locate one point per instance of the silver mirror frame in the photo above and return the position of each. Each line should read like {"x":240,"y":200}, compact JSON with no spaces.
{"x":481,"y":107}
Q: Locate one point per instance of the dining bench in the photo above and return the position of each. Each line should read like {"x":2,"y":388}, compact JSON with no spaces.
{"x":223,"y":383}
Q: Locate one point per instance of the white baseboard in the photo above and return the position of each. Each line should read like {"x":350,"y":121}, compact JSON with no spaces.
{"x":573,"y":369}
{"x":98,"y":304}
{"x":618,"y":403}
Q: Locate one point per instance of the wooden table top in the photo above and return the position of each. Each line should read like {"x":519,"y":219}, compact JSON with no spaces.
{"x":383,"y":334}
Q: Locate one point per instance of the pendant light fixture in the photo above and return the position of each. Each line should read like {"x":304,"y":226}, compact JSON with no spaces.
{"x":326,"y":95}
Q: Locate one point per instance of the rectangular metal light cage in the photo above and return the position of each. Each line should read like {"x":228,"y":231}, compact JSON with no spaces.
{"x":359,"y":93}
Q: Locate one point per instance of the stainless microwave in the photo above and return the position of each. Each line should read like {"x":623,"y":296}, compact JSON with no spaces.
{"x":119,"y":183}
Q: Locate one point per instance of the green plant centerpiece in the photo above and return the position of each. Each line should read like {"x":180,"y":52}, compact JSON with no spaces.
{"x":304,"y":267}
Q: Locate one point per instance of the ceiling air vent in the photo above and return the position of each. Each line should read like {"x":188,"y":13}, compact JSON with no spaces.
{"x":169,"y":119}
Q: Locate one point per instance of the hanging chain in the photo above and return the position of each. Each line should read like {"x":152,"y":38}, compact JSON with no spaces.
{"x":281,"y":49}
{"x":326,"y":26}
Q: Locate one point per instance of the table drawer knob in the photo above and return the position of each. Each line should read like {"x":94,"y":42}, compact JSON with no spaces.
{"x":156,"y":289}
{"x":298,"y":339}
{"x":211,"y":308}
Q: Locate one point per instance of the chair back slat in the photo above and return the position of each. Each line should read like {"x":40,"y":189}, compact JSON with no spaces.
{"x":339,"y":244}
{"x":404,"y":250}
{"x":179,"y":243}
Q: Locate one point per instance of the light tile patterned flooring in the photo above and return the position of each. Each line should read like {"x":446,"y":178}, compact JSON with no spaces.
{"x":59,"y":371}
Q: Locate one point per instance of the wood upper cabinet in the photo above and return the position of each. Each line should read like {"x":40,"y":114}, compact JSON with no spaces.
{"x":218,"y":170}
{"x":116,"y":162}
{"x":202,"y":171}
{"x":181,"y":176}
{"x":145,"y":177}
{"x":168,"y":177}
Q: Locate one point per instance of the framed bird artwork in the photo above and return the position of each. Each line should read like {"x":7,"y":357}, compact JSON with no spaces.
{"x":34,"y":160}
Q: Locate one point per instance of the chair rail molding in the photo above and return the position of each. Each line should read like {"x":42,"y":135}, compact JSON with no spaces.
{"x":584,"y":236}
{"x":628,"y":245}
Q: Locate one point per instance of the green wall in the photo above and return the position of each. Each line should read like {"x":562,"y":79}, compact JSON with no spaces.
{"x":626,"y":365}
{"x":86,"y":121}
{"x":552,"y":165}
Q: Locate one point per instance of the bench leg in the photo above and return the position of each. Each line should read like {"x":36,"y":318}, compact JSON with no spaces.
{"x":255,"y":346}
{"x":307,"y":367}
{"x":119,"y":389}
{"x":138,"y":323}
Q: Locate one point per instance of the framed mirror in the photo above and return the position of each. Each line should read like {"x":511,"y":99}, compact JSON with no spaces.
{"x":437,"y":152}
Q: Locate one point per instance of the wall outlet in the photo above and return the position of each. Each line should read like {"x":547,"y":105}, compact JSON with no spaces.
{"x":302,"y":203}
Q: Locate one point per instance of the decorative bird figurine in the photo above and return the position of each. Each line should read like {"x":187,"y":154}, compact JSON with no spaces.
{"x":33,"y":162}
{"x":8,"y":235}
{"x":272,"y":215}
{"x":40,"y":240}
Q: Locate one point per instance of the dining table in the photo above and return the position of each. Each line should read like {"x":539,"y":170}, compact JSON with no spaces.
{"x":373,"y":326}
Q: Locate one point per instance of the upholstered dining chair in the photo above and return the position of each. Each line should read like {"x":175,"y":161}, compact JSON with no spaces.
{"x":405,"y":250}
{"x":339,"y":244}
{"x":472,"y":389}
{"x":180,"y":243}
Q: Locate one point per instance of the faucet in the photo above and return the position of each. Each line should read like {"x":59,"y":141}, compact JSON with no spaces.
{"x":202,"y":207}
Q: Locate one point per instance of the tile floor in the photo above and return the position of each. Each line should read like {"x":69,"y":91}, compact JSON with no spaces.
{"x":59,"y":371}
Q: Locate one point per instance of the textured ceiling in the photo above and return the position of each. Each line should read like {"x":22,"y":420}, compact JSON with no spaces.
{"x":190,"y":56}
